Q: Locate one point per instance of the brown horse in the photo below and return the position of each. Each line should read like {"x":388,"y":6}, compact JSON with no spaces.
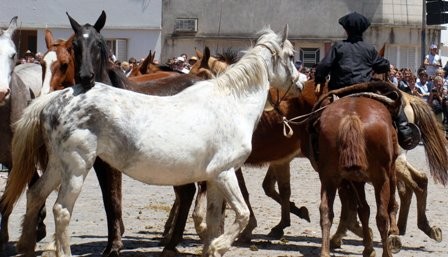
{"x":345,"y":130}
{"x":147,"y":66}
{"x":57,"y":63}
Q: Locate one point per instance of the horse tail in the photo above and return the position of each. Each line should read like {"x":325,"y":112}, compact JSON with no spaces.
{"x":28,"y":150}
{"x":434,"y":141}
{"x":352,"y":145}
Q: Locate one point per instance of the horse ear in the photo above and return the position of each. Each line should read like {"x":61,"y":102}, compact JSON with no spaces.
{"x":205,"y":58}
{"x":75,"y":25}
{"x":12,"y":26}
{"x":153,"y":56}
{"x":285,"y":33}
{"x":48,"y":38}
{"x":198,"y":53}
{"x":99,"y":24}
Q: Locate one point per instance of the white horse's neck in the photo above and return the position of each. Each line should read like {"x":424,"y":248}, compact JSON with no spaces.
{"x":248,"y":82}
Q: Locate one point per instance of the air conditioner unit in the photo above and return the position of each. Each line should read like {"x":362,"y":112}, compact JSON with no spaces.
{"x":186,"y":25}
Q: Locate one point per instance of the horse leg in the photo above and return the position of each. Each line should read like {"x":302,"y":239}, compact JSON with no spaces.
{"x":63,"y":208}
{"x":36,"y":196}
{"x":418,"y":182}
{"x":347,"y":220}
{"x":382,"y":196}
{"x":185,"y":194}
{"x":364,"y":215}
{"x":110,"y":183}
{"x":246,"y":235}
{"x":225,"y":185}
{"x":327,"y":195}
{"x":200,"y":211}
{"x":404,"y":192}
{"x":279,"y":173}
{"x":167,"y":231}
{"x":394,"y":240}
{"x":41,"y":230}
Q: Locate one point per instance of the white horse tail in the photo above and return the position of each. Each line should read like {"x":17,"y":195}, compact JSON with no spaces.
{"x":28,"y":150}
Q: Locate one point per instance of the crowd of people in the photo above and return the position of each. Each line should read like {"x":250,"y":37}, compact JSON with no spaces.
{"x":429,"y":82}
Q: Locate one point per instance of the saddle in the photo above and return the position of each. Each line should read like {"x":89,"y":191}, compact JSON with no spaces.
{"x":382,"y":91}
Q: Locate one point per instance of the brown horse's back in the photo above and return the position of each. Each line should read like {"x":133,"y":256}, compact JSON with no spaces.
{"x":349,"y":128}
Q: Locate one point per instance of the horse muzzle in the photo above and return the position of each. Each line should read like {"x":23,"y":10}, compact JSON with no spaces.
{"x":4,"y":95}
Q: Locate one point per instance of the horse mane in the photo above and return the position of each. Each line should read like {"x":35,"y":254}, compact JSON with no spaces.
{"x":251,"y":68}
{"x":229,"y":56}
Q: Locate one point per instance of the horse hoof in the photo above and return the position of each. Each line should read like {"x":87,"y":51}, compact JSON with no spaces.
{"x":244,"y":238}
{"x":394,"y":243}
{"x":41,"y":232}
{"x":49,"y":254}
{"x":335,"y":244}
{"x":369,"y":253}
{"x":304,"y":213}
{"x":436,"y":234}
{"x":113,"y":251}
{"x":276,"y":233}
{"x":169,"y":253}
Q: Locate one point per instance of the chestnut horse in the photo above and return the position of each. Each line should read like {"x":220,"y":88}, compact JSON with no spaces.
{"x":345,"y":130}
{"x":148,"y":66}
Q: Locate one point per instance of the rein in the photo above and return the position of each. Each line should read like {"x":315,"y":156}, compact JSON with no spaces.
{"x":287,"y":129}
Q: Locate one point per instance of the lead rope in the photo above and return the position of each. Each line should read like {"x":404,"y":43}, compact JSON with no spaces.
{"x":288,"y":131}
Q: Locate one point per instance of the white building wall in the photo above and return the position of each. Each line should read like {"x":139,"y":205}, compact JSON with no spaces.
{"x":138,"y":21}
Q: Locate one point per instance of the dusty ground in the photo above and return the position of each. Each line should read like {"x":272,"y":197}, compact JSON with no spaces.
{"x":146,"y":208}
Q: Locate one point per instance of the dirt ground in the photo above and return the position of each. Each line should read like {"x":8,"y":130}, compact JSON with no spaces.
{"x":146,"y":209}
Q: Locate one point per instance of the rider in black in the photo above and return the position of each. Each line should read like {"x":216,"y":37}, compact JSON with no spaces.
{"x":352,"y":61}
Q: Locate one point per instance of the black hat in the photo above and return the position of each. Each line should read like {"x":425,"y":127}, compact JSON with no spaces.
{"x":354,"y":23}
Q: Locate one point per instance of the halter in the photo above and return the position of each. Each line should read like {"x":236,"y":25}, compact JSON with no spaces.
{"x":277,"y":103}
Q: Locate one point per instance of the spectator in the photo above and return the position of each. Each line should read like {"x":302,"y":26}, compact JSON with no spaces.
{"x":132,"y":62}
{"x":403,"y":84}
{"x":423,"y":84}
{"x":38,"y":57}
{"x":393,"y":75}
{"x":126,"y":68}
{"x":192,"y":60}
{"x":302,"y":77}
{"x":432,"y":61}
{"x":29,"y":56}
{"x":435,"y":99}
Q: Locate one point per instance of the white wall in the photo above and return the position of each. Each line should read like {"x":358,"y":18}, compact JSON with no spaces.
{"x":139,"y":21}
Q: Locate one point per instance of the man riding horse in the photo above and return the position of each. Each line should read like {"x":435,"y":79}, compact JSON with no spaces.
{"x":352,"y":61}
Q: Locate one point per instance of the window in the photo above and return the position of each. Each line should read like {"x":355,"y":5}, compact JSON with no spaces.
{"x":309,"y":56}
{"x":186,"y":25}
{"x":119,"y":47}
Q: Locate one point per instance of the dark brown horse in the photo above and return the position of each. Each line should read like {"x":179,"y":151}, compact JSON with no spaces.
{"x":104,"y":71}
{"x":349,"y":152}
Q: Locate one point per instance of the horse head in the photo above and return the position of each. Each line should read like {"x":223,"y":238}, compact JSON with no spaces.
{"x":90,"y":52}
{"x":8,"y":54}
{"x":57,"y":64}
{"x":279,"y":59}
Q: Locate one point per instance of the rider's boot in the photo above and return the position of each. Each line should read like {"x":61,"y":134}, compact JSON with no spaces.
{"x":406,"y":135}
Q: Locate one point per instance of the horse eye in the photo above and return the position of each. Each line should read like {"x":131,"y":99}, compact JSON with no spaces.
{"x":13,"y":56}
